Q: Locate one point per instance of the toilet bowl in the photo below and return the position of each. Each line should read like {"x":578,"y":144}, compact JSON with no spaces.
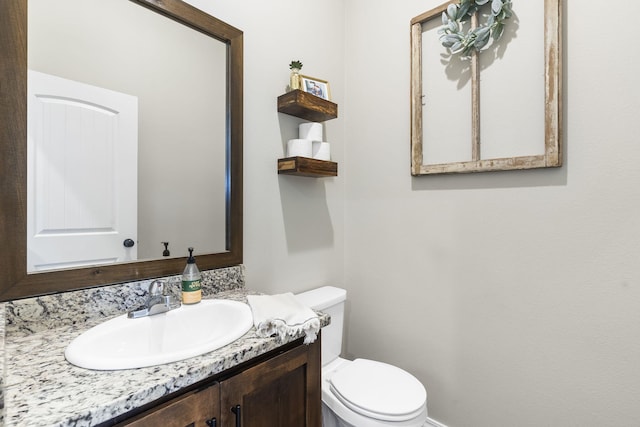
{"x":361,"y":392}
{"x":366,"y":393}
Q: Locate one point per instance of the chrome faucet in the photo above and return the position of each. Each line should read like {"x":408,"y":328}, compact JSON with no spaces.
{"x":158,"y":302}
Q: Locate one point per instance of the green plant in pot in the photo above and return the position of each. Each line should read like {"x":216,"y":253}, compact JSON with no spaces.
{"x":294,"y":79}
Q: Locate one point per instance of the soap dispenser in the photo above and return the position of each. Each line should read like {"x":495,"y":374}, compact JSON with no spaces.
{"x":191,"y":281}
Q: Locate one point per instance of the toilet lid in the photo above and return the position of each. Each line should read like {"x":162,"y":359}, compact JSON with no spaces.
{"x":378,"y":390}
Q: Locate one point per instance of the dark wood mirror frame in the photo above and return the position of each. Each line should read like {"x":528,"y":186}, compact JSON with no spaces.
{"x":15,"y":283}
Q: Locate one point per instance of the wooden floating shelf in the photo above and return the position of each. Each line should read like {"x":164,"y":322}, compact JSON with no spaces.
{"x":304,"y":166}
{"x":306,"y":106}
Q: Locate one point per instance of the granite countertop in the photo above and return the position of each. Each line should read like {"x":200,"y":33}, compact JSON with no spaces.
{"x":43,"y":389}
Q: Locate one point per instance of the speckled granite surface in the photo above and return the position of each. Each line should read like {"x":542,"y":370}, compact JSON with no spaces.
{"x":43,"y":389}
{"x":31,"y":315}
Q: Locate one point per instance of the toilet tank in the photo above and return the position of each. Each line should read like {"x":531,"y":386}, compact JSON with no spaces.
{"x":330,"y":300}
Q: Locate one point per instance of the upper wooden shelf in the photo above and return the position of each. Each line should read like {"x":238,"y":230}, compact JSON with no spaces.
{"x":306,"y":106}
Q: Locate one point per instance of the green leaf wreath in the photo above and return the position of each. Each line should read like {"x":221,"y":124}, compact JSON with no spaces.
{"x":458,"y":42}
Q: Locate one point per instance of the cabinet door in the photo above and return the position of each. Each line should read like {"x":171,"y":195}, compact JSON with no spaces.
{"x":281,"y":392}
{"x":196,"y":409}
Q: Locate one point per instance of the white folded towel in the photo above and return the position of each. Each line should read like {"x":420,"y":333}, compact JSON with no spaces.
{"x":283,"y":315}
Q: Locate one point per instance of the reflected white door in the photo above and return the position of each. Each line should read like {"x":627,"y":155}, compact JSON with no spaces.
{"x":81,"y":174}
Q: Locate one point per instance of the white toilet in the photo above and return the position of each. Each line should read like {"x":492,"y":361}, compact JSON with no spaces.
{"x":361,"y":393}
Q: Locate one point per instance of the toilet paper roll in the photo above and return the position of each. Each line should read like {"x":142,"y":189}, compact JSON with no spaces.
{"x":312,"y":131}
{"x":321,"y":150}
{"x":299,"y":147}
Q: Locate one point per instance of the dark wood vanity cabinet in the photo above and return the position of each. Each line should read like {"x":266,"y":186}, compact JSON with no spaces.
{"x":283,"y":391}
{"x":196,"y":408}
{"x":280,"y":391}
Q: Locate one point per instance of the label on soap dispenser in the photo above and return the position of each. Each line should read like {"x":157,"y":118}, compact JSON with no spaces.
{"x":191,"y":291}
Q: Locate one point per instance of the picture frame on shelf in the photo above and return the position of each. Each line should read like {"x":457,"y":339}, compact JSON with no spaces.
{"x":317,"y":87}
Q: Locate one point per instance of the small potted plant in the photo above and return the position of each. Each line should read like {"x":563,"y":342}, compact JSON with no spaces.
{"x":294,"y":79}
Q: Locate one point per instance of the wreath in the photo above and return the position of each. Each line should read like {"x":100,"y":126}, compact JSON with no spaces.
{"x":452,"y":36}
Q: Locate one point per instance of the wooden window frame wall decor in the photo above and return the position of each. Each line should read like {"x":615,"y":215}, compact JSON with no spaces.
{"x":552,"y":156}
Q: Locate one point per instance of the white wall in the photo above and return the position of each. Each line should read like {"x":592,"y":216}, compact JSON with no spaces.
{"x":514,"y":296}
{"x":293,"y":226}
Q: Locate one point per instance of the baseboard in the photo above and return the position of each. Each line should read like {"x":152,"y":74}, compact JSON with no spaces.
{"x":433,"y":423}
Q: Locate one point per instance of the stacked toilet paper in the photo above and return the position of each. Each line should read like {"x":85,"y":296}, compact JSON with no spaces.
{"x":309,"y":143}
{"x":312,"y":131}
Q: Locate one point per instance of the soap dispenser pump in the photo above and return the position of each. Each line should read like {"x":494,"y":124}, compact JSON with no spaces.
{"x":191,"y":281}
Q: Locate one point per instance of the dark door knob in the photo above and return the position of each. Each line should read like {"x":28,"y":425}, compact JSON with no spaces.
{"x":128,"y":243}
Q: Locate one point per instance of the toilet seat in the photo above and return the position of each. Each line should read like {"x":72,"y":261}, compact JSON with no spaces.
{"x":378,"y":390}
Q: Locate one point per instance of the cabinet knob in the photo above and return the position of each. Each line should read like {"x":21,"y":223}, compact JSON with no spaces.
{"x":236,"y":410}
{"x":212,"y":422}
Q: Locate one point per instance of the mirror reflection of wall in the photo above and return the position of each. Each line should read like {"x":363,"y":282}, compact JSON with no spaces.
{"x":179,"y":78}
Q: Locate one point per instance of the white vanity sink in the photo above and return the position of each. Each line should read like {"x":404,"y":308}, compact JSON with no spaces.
{"x":188,"y":331}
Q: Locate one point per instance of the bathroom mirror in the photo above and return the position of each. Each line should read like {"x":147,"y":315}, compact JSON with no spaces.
{"x":223,"y":163}
{"x":118,"y":130}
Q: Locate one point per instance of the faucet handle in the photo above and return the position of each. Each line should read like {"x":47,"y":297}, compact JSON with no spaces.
{"x":156,"y":288}
{"x":157,"y":302}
